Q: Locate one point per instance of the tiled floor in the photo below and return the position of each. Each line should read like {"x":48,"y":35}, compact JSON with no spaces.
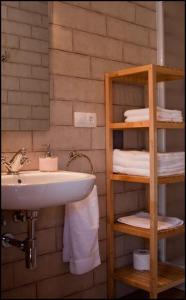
{"x":169,"y":294}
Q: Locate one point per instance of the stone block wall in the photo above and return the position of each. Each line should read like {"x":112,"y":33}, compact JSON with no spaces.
{"x":86,"y":39}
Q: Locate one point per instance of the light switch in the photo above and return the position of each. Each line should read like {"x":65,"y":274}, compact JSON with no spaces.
{"x":82,"y":119}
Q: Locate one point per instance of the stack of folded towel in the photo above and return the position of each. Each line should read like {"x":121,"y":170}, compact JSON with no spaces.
{"x":142,"y":114}
{"x":142,"y":219}
{"x":138,"y":162}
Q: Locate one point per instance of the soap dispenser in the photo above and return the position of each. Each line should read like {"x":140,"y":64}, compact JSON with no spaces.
{"x":48,"y":163}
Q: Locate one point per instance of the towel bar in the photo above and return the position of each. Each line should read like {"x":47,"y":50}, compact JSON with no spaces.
{"x":74,"y":154}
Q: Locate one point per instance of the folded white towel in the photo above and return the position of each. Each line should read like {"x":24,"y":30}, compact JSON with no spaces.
{"x":80,"y":238}
{"x":162,"y":164}
{"x":142,"y":219}
{"x":138,"y":162}
{"x":160,"y":110}
{"x":136,"y":155}
{"x":142,"y":114}
{"x":146,"y":172}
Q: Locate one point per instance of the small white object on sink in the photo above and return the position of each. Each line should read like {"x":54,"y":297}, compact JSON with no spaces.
{"x":49,"y":163}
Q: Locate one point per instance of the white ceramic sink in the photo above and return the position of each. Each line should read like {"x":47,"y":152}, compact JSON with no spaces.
{"x":35,"y":189}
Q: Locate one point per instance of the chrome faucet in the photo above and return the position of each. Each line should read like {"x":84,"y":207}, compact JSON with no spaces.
{"x":16,"y":163}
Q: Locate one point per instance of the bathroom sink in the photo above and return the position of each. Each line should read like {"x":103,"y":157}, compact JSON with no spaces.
{"x":35,"y":189}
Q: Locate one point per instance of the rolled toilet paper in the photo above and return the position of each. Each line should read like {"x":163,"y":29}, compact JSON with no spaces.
{"x":141,"y":260}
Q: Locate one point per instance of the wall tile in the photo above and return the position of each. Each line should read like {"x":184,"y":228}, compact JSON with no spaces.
{"x":27,"y":291}
{"x":74,"y":17}
{"x":145,"y":17}
{"x":107,"y":48}
{"x":58,"y":137}
{"x":101,"y":66}
{"x":37,"y":7}
{"x":40,"y":33}
{"x":11,"y":3}
{"x":96,"y":292}
{"x":118,"y":9}
{"x":127,"y":32}
{"x":46,"y":241}
{"x":34,"y":85}
{"x":101,"y":183}
{"x":103,"y":249}
{"x":10,"y":83}
{"x":13,"y":141}
{"x":23,"y":16}
{"x":16,"y":28}
{"x":25,"y":57}
{"x":147,"y":4}
{"x":102,"y":206}
{"x":102,"y":229}
{"x":139,"y":55}
{"x":126,"y":202}
{"x":50,"y":217}
{"x":34,"y":45}
{"x":100,"y":274}
{"x":47,"y":266}
{"x":85,"y":89}
{"x":7,"y":273}
{"x":14,"y":111}
{"x":10,"y":41}
{"x":16,"y":70}
{"x":85,"y":4}
{"x":69,"y":64}
{"x":98,"y":138}
{"x":60,"y":38}
{"x":53,"y":287}
{"x":61,"y":113}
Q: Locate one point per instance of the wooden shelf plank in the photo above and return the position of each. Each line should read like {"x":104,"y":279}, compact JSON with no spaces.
{"x":168,"y":277}
{"x":128,"y":125}
{"x":145,"y":233}
{"x":170,"y":125}
{"x":146,"y":179}
{"x":139,"y":75}
{"x":171,"y":179}
{"x":146,"y":124}
{"x":129,"y":178}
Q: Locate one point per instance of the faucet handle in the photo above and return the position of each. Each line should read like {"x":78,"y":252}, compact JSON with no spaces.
{"x":73,"y":153}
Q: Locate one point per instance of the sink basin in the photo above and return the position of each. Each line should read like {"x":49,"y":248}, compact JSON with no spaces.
{"x":35,"y":189}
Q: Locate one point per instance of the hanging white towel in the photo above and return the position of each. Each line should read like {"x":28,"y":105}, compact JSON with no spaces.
{"x":80,"y":237}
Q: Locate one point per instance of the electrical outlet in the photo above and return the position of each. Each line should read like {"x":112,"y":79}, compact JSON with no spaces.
{"x":82,"y":119}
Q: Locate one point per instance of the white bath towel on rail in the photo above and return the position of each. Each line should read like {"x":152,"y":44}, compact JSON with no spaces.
{"x":80,"y":237}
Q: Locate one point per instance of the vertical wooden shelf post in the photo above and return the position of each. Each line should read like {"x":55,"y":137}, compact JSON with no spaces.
{"x":153,"y":182}
{"x":110,"y":207}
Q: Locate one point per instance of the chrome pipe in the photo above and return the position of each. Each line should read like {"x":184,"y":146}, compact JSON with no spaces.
{"x":29,"y":245}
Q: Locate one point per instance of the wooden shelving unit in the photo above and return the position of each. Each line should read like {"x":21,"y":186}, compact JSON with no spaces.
{"x":161,"y":276}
